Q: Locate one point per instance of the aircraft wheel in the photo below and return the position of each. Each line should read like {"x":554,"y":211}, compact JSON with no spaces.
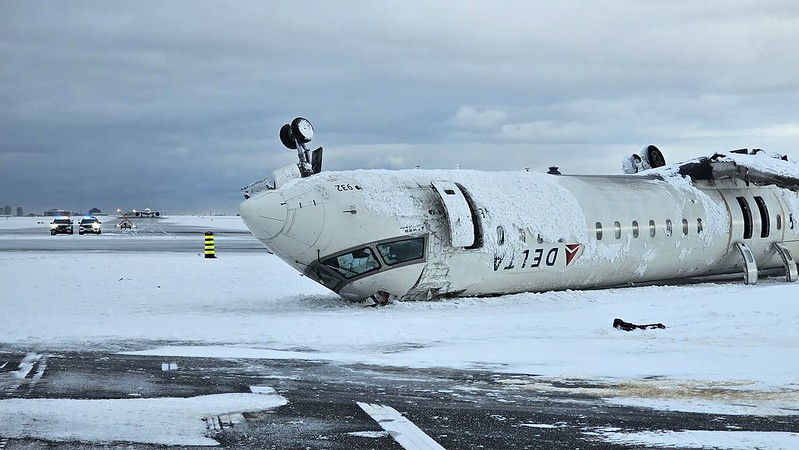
{"x":287,"y":138}
{"x":302,"y":129}
{"x":656,"y":158}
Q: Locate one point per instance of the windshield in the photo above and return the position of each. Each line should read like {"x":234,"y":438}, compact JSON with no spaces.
{"x":62,"y":221}
{"x":401,"y":251}
{"x":323,"y":276}
{"x":89,"y":221}
{"x":354,"y":263}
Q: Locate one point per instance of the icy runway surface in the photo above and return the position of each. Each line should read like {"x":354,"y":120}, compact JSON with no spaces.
{"x":727,"y":348}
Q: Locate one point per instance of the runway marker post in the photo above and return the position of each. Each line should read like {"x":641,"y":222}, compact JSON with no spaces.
{"x":209,"y":245}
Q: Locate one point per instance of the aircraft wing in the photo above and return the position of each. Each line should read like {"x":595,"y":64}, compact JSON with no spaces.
{"x":760,"y":168}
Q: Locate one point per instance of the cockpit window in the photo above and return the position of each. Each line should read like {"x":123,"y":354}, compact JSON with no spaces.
{"x":401,"y":251}
{"x":354,"y":263}
{"x":325,"y":277}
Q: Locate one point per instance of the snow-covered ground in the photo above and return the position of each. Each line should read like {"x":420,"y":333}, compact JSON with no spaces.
{"x":727,"y":348}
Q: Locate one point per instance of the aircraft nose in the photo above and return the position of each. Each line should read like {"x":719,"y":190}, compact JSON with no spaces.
{"x":264,"y":215}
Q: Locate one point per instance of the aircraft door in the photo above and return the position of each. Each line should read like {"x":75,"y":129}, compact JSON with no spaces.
{"x":460,"y":218}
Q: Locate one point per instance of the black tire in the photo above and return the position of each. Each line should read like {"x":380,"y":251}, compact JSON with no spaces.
{"x":655,"y":157}
{"x":287,"y":138}
{"x":302,"y":130}
{"x":52,"y":232}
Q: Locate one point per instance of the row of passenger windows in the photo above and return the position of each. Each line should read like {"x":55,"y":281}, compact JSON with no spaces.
{"x":636,"y":229}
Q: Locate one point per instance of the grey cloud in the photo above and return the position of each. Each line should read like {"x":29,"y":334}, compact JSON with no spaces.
{"x":178,"y":104}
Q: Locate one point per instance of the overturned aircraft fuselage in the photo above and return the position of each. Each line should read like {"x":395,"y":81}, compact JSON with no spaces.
{"x":427,"y":234}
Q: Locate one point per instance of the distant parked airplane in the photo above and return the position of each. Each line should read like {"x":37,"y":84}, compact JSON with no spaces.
{"x":428,"y":234}
{"x":144,"y":214}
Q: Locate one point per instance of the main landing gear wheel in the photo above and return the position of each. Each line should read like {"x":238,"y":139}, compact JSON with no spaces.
{"x":287,"y":138}
{"x":655,"y":157}
{"x":302,"y":130}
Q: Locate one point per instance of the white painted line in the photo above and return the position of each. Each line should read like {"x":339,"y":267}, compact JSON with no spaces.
{"x":40,"y":368}
{"x":4,"y":365}
{"x":26,"y":365}
{"x":408,"y":435}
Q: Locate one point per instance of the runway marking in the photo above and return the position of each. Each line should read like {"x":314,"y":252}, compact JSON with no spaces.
{"x":3,"y":443}
{"x":26,"y":375}
{"x":4,"y":365}
{"x":405,"y":432}
{"x":40,"y":368}
{"x":217,"y":424}
{"x":26,"y":365}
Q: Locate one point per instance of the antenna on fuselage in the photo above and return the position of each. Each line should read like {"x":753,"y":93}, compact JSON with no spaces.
{"x":294,"y":136}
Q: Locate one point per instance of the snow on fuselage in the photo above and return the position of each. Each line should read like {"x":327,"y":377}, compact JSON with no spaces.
{"x":422,"y":234}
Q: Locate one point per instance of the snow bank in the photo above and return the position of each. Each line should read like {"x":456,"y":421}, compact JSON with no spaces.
{"x":166,"y":421}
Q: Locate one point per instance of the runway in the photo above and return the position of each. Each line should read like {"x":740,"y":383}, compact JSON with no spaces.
{"x":90,"y":387}
{"x":150,"y":234}
{"x":457,"y":409}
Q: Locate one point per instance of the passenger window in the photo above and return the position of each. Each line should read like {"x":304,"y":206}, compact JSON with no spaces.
{"x":500,"y":235}
{"x":779,"y":222}
{"x":685,"y":227}
{"x":668,"y":227}
{"x":652,"y":228}
{"x":599,"y":231}
{"x":401,"y":251}
{"x":354,"y":263}
{"x":699,"y":226}
{"x":617,"y":229}
{"x":635,"y":229}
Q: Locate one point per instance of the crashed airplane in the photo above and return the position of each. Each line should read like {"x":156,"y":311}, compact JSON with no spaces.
{"x":430,"y":234}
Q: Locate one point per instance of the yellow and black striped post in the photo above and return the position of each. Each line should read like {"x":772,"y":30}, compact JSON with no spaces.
{"x":209,"y":244}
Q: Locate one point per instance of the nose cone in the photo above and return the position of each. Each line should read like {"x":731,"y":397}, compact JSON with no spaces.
{"x":264,"y":215}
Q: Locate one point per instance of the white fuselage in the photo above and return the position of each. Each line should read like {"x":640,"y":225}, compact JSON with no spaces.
{"x":422,"y":234}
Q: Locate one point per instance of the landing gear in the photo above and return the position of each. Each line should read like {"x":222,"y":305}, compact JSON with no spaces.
{"x":381,"y":298}
{"x":294,"y":136}
{"x":655,"y":157}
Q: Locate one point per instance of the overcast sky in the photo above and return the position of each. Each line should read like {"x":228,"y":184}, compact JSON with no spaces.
{"x":177,"y":105}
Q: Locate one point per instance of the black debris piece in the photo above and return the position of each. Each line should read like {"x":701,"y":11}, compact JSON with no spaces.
{"x":627,"y":326}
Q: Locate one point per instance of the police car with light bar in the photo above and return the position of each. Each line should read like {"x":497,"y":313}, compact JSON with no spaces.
{"x":89,"y":224}
{"x":61,"y":225}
